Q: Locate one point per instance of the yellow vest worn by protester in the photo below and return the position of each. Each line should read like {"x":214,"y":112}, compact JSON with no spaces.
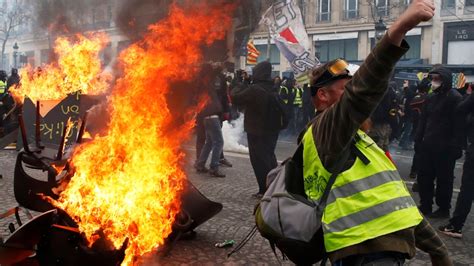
{"x":3,"y":87}
{"x":298,"y":97}
{"x":365,"y":202}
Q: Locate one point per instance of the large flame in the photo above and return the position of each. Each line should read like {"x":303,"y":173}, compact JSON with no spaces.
{"x":78,"y":69}
{"x":127,"y":182}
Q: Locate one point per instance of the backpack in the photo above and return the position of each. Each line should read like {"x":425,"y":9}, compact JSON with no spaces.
{"x":287,"y":218}
{"x":276,"y":116}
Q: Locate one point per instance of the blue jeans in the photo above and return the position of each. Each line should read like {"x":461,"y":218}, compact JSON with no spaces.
{"x":214,"y":142}
{"x":405,"y":139}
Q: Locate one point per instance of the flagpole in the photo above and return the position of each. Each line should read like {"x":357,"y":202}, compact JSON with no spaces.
{"x":268,"y":46}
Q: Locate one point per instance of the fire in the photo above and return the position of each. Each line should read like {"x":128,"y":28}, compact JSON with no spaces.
{"x":78,"y":69}
{"x":127,"y":182}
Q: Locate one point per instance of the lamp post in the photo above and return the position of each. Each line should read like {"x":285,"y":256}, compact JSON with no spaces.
{"x":380,"y":29}
{"x":15,"y":54}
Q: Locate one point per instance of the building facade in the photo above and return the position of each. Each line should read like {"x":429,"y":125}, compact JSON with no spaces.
{"x":346,"y":28}
{"x":337,"y":28}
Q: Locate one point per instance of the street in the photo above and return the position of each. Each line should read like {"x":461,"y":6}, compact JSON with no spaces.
{"x":236,"y":219}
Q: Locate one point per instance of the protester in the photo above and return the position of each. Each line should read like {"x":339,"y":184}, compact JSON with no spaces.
{"x":370,"y":216}
{"x":417,"y":105}
{"x":438,"y":141}
{"x":381,"y":130}
{"x":211,"y":118}
{"x":297,"y":124}
{"x":262,"y":136}
{"x":14,"y":78}
{"x":287,"y":95}
{"x":3,"y":83}
{"x":220,"y":84}
{"x":276,"y":84}
{"x":308,"y":107}
{"x":466,"y":196}
{"x":407,"y":119}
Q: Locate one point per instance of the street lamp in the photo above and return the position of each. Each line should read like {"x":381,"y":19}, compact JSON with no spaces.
{"x":380,"y":29}
{"x":15,"y":54}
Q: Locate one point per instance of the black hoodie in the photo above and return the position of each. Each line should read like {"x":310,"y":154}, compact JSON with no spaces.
{"x":255,"y":99}
{"x":439,"y":128}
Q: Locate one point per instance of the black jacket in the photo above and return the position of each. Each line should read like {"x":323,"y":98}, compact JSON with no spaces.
{"x":382,"y":115}
{"x":466,"y":110}
{"x":410,"y":93}
{"x":255,"y":98}
{"x":211,"y":79}
{"x":439,"y":128}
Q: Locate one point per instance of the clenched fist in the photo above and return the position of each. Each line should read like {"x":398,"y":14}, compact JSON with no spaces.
{"x":418,"y":11}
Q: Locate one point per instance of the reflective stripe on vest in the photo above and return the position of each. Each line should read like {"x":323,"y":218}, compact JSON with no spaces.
{"x":3,"y":87}
{"x":285,"y":99}
{"x":298,"y":97}
{"x":365,"y":202}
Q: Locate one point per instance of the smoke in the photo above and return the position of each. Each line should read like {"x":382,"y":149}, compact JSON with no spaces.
{"x":134,"y":16}
{"x":233,"y":132}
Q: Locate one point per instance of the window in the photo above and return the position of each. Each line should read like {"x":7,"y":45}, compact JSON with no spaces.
{"x":469,"y":7}
{"x":324,"y":10}
{"x":274,"y":53}
{"x":447,"y":7}
{"x":382,"y":7}
{"x":351,"y":9}
{"x":448,"y":3}
{"x":302,"y":6}
{"x":413,"y":41}
{"x":45,"y":53}
{"x":415,"y":47}
{"x":333,"y":49}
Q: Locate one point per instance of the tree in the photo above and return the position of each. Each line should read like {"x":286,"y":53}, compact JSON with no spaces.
{"x":11,"y":18}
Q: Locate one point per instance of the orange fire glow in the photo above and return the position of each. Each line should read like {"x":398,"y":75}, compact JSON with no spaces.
{"x":78,"y":69}
{"x":127,"y":182}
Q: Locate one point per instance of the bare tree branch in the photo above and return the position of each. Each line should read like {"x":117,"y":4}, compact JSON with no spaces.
{"x":13,"y":17}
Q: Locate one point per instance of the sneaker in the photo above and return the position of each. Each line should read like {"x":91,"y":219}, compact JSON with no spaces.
{"x":440,"y":214}
{"x":201,"y":169}
{"x":451,"y":231}
{"x":224,"y":162}
{"x":216,"y":173}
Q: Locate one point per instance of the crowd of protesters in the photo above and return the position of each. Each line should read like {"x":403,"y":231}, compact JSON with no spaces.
{"x":427,"y":116}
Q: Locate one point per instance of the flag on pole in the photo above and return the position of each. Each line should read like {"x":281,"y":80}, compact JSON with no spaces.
{"x":285,"y":24}
{"x":252,"y":53}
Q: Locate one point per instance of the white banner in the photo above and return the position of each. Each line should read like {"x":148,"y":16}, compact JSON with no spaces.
{"x":286,"y":28}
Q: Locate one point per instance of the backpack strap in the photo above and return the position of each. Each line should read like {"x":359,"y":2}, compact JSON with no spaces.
{"x":337,"y":170}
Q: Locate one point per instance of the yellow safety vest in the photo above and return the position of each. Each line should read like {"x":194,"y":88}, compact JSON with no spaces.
{"x":365,"y":202}
{"x":3,"y":87}
{"x":298,"y":97}
{"x":285,"y":100}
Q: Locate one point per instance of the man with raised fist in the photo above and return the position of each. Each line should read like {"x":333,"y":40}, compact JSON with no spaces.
{"x":369,"y":216}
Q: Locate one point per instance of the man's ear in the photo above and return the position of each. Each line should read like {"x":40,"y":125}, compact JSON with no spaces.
{"x":322,"y":95}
